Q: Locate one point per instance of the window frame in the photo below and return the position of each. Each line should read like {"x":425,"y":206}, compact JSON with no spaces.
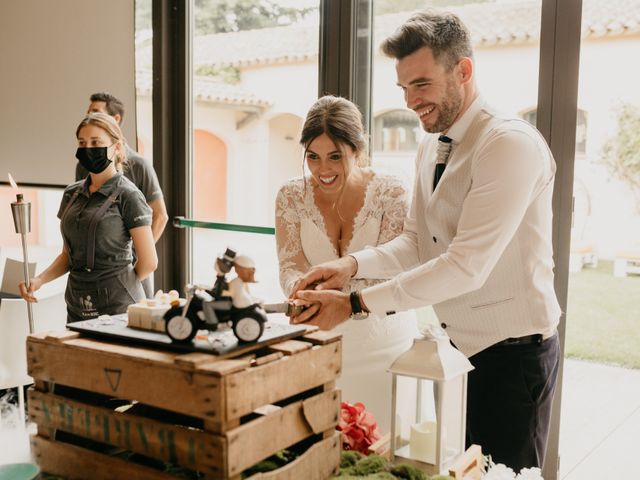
{"x":340,"y":26}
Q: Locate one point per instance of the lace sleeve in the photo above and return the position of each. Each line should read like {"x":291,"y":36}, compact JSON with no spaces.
{"x":395,"y":205}
{"x":291,"y":258}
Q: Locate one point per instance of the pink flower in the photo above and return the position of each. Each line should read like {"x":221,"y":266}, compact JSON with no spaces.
{"x":359,"y":428}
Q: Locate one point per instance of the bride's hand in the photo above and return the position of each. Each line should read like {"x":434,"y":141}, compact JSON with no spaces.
{"x":330,"y":275}
{"x":330,"y":308}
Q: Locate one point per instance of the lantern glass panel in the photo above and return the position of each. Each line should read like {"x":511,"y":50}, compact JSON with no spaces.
{"x":415,"y":424}
{"x":453,"y":395}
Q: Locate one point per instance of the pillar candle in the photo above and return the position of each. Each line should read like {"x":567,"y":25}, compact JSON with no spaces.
{"x":422,"y":442}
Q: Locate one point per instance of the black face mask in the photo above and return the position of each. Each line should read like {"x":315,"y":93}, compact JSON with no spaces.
{"x":93,"y":159}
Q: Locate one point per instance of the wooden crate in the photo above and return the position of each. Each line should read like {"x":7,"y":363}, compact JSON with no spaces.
{"x":214,"y":416}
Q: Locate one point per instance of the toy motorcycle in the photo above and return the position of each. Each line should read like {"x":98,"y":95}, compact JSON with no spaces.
{"x":204,"y":311}
{"x":208,"y":308}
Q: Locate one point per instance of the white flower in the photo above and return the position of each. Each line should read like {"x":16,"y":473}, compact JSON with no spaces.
{"x":530,"y":474}
{"x":499,"y":472}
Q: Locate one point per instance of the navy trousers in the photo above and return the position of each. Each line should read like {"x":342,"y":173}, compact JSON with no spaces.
{"x":509,"y":398}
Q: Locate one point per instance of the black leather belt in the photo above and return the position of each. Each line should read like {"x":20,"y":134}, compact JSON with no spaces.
{"x":526,"y":340}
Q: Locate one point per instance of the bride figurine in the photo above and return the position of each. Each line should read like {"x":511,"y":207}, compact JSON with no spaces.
{"x":341,"y":206}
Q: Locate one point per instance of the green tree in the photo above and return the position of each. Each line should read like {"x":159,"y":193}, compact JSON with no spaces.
{"x":395,"y":6}
{"x":221,"y":16}
{"x":226,"y":74}
{"x":143,"y":15}
{"x":621,"y":152}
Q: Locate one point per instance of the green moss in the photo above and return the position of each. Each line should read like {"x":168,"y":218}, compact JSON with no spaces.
{"x":408,"y":472}
{"x":370,"y":464}
{"x":350,"y":458}
{"x":373,"y":476}
{"x":355,"y":466}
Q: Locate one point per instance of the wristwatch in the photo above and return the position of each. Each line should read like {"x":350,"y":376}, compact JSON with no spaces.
{"x":357,"y":311}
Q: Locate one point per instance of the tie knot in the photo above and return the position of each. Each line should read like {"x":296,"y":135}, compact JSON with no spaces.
{"x":444,"y":139}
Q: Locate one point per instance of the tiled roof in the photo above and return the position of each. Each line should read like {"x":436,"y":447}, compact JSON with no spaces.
{"x":252,"y":47}
{"x":208,"y":90}
{"x":490,"y":23}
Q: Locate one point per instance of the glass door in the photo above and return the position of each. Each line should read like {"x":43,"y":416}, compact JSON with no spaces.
{"x":601,"y":388}
{"x":255,"y":76}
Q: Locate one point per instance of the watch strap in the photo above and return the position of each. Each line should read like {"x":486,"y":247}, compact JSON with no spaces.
{"x":356,"y":304}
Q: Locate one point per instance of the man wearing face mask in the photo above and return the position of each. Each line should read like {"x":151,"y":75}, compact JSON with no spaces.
{"x":137,"y":169}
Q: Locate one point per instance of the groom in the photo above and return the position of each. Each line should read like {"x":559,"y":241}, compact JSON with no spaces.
{"x":477,"y":244}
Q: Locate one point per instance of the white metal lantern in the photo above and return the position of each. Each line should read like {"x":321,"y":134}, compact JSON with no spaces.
{"x":429,"y":403}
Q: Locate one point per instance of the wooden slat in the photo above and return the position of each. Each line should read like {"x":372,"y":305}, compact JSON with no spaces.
{"x":226,"y":367}
{"x":188,"y":447}
{"x":468,"y":466}
{"x":322,"y":337}
{"x":217,"y":392}
{"x":59,"y":336}
{"x":272,"y":357}
{"x":192,"y":360}
{"x":281,"y":429}
{"x":251,"y":388}
{"x":125,"y":372}
{"x":318,"y":463}
{"x":267,"y":409}
{"x":290,"y":347}
{"x":76,"y":463}
{"x":315,"y":410}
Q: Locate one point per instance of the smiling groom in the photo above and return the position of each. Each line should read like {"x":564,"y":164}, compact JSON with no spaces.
{"x":476,"y":245}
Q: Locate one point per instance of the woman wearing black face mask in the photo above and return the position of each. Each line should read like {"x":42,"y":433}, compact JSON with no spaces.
{"x":100,"y":217}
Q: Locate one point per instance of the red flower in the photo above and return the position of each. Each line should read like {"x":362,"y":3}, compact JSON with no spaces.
{"x":359,"y":428}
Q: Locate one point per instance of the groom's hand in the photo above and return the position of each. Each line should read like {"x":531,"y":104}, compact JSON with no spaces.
{"x":330,"y":275}
{"x":333,"y":308}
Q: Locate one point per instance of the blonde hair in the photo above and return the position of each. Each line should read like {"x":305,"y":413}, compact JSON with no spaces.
{"x":111,"y":128}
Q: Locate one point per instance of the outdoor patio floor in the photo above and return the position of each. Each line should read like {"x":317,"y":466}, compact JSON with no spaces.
{"x":600,"y":422}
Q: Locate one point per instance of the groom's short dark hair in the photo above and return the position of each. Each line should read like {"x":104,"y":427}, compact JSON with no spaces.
{"x":444,"y":33}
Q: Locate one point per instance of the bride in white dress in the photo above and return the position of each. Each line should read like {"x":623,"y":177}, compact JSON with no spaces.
{"x":342,"y":207}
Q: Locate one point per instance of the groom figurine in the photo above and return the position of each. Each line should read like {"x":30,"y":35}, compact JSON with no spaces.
{"x":476,"y":245}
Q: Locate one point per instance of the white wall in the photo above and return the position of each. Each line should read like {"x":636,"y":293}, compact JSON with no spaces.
{"x":53,"y":56}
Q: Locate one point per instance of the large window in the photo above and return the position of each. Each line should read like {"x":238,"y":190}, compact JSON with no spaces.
{"x":144,"y":84}
{"x":255,"y":74}
{"x":603,"y":313}
{"x":511,"y":38}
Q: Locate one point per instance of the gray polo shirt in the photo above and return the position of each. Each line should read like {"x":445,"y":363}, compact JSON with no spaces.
{"x":113,"y":249}
{"x":137,"y":169}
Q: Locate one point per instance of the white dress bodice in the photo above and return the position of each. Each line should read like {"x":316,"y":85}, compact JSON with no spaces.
{"x":369,"y":346}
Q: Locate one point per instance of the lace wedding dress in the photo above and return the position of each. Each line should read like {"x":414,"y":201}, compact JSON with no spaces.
{"x":368,"y":346}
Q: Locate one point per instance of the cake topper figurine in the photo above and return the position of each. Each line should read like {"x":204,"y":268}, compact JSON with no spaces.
{"x":228,"y":301}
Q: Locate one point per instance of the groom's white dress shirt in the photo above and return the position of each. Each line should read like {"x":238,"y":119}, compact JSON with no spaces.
{"x":479,"y":247}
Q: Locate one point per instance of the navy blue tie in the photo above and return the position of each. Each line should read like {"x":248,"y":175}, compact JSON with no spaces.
{"x":444,"y":149}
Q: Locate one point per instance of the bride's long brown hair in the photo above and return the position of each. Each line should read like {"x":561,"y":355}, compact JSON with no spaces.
{"x":341,"y":121}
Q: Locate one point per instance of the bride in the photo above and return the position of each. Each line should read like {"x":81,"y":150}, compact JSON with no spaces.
{"x":341,"y":207}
